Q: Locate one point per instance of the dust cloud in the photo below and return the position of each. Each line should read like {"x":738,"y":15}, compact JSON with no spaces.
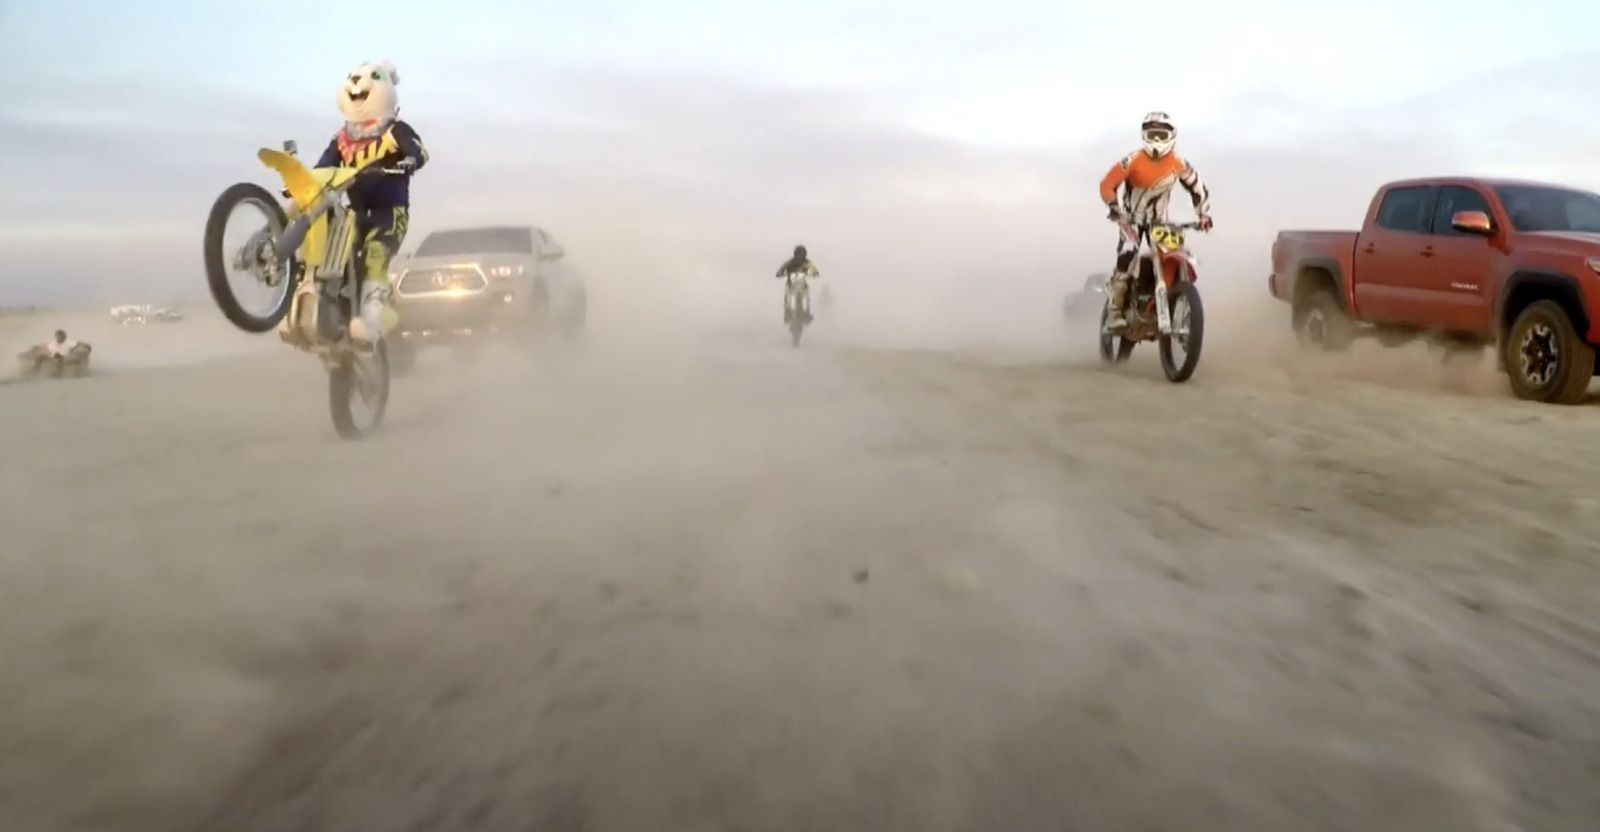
{"x":920,"y":574}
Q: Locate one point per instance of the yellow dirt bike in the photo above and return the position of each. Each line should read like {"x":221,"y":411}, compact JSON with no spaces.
{"x":308,"y":262}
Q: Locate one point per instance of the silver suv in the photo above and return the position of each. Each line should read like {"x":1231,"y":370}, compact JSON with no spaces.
{"x":464,"y":284}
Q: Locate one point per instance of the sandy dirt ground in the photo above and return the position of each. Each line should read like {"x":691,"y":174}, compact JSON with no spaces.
{"x":701,"y":581}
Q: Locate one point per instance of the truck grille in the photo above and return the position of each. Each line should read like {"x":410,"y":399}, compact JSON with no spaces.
{"x":450,"y":281}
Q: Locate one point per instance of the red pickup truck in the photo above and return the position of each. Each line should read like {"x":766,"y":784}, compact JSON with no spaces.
{"x":1467,"y":262}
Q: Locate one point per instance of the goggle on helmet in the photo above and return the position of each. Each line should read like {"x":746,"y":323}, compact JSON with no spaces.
{"x":1158,"y":134}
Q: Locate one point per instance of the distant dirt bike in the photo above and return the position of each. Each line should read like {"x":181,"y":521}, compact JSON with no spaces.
{"x":1163,"y":305}
{"x":796,"y":304}
{"x":312,"y":266}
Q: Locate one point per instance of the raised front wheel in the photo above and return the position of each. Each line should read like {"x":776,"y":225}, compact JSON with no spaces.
{"x":251,"y":287}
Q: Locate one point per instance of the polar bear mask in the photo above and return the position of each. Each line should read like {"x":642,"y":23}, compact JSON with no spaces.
{"x":368,"y":99}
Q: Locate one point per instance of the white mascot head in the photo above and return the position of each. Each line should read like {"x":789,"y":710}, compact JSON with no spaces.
{"x":368,"y":99}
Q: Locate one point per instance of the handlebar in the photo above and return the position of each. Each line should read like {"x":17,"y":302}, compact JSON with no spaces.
{"x":1175,"y":226}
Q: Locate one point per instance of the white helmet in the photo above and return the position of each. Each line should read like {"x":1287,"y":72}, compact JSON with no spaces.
{"x":1158,"y":134}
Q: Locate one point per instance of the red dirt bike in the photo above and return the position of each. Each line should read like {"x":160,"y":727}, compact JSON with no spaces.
{"x":1163,"y":304}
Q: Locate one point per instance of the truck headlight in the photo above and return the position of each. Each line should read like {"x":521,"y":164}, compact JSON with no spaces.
{"x":506,"y":271}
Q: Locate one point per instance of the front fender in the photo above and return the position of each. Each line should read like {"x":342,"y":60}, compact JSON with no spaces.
{"x":1562,"y":284}
{"x":1171,"y":263}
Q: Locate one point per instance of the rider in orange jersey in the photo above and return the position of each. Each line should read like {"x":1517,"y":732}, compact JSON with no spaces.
{"x":1145,"y":177}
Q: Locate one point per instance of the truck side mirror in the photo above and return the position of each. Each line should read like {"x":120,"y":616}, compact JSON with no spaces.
{"x":1472,"y":222}
{"x":554,"y":251}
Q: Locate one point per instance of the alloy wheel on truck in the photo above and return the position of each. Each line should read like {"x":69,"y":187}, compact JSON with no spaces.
{"x":1546,"y":358}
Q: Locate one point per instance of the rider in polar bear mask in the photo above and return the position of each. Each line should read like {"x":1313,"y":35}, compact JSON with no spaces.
{"x":373,"y":135}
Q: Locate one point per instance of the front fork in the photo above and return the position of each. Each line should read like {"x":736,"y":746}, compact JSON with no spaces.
{"x":1163,"y":310}
{"x":795,"y":298}
{"x":1130,"y":295}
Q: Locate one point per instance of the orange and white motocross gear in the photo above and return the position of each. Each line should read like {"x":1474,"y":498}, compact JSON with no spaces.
{"x":1145,"y":182}
{"x":1146,"y":187}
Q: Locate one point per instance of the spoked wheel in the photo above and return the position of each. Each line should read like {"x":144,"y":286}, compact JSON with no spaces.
{"x":1180,"y":351}
{"x":251,"y":287}
{"x":358,"y":392}
{"x":1114,"y":349}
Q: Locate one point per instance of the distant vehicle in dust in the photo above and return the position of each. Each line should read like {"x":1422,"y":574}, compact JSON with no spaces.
{"x":1085,"y":306}
{"x":464,"y":285}
{"x":132,"y":313}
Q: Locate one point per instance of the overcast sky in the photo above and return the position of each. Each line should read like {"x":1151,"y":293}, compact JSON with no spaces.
{"x":955,"y":142}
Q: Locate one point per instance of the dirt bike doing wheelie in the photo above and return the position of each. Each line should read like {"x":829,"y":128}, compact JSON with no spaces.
{"x":308,"y":262}
{"x":796,"y":304}
{"x":1163,"y":304}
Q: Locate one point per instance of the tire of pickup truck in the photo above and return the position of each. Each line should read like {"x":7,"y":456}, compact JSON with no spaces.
{"x":1545,"y":357}
{"x":1321,"y":323}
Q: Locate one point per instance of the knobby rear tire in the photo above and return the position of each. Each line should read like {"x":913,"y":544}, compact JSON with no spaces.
{"x":217,"y":260}
{"x":342,"y":387}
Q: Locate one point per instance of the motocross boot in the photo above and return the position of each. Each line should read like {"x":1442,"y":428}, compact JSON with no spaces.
{"x":1117,"y":303}
{"x":375,"y":316}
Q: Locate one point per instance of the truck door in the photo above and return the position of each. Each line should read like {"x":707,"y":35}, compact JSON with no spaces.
{"x":1456,"y":272}
{"x":1389,"y":262}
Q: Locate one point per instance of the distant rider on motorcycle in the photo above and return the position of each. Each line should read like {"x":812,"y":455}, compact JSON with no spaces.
{"x":799,"y":264}
{"x":1145,"y":178}
{"x":373,"y":135}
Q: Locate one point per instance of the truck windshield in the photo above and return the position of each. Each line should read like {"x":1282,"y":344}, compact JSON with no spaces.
{"x":1534,"y":208}
{"x":466,"y":241}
